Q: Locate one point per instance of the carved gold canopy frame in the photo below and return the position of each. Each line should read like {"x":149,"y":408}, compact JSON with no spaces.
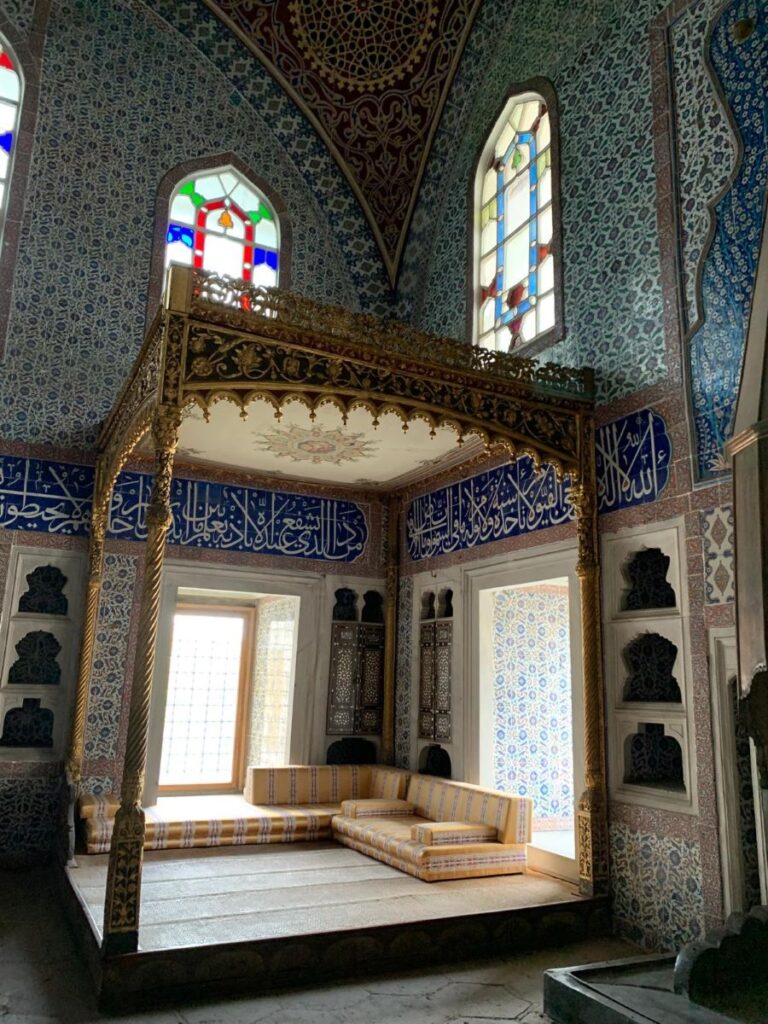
{"x":214,"y":340}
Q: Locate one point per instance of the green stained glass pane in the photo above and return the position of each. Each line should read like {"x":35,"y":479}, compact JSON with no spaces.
{"x":543,"y":162}
{"x":517,"y":157}
{"x":189,"y":190}
{"x":263,"y":213}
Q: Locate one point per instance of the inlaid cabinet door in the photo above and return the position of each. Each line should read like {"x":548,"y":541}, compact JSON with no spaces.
{"x":343,"y":678}
{"x":370,"y":692}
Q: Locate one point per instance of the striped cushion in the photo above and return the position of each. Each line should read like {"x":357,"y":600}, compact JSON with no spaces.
{"x":261,"y":825}
{"x":387,"y":783}
{"x":375,"y":808}
{"x":445,"y":833}
{"x":440,"y":800}
{"x":92,"y":806}
{"x":306,"y":784}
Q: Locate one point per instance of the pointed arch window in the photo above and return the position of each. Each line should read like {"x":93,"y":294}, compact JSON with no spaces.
{"x":10,"y":109}
{"x":518,"y":292}
{"x":220,"y":221}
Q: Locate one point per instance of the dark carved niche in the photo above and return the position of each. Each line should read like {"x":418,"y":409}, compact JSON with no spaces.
{"x":434,"y":760}
{"x":351,"y":750}
{"x":647,"y":572}
{"x":445,"y":604}
{"x":654,"y":759}
{"x":45,"y":596}
{"x":36,"y":664}
{"x":650,"y":658}
{"x":28,"y":726}
{"x":427,"y":605}
{"x":373,"y":610}
{"x":344,"y":610}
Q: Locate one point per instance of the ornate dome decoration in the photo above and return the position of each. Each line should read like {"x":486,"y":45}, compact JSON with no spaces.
{"x":363,"y":44}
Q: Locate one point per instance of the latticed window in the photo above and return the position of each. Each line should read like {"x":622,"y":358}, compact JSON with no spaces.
{"x":219,"y":221}
{"x":516,"y":265}
{"x":10,"y":107}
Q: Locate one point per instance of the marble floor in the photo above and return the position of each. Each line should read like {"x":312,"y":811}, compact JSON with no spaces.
{"x":43,"y":982}
{"x":226,"y":894}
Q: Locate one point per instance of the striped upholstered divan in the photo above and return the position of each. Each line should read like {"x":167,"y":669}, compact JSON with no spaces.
{"x":286,"y":804}
{"x":441,"y":830}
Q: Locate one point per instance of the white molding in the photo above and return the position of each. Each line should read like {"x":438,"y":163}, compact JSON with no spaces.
{"x":722,"y":668}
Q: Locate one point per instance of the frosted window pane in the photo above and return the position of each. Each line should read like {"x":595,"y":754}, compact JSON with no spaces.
{"x":228,"y":182}
{"x":529,"y":115}
{"x":516,"y":258}
{"x":183,"y":210}
{"x":201,"y":707}
{"x":528,"y":329}
{"x":487,"y":316}
{"x":489,"y":186}
{"x":546,"y":314}
{"x":245,"y":198}
{"x":266,"y":234}
{"x":177,"y":252}
{"x":2,"y":195}
{"x":488,"y":237}
{"x":209,"y":186}
{"x":543,"y":136}
{"x":507,"y":134}
{"x":264,"y":276}
{"x":502,"y":339}
{"x":7,"y":117}
{"x":545,"y":226}
{"x":4,"y":161}
{"x":223,"y":256}
{"x":545,"y":187}
{"x":9,"y":85}
{"x":547,"y":275}
{"x":518,"y":203}
{"x":488,"y":270}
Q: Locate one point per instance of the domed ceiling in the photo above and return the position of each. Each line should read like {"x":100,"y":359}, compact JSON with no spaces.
{"x":373,"y":77}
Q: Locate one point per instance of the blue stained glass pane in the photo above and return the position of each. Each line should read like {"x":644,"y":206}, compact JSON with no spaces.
{"x":272,"y":260}
{"x":181,"y":233}
{"x":6,"y":141}
{"x":259,"y":256}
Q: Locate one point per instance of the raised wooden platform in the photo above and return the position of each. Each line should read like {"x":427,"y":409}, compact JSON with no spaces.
{"x":233,"y":919}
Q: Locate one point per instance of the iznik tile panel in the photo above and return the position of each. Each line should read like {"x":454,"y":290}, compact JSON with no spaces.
{"x":50,"y":497}
{"x":728,"y":272}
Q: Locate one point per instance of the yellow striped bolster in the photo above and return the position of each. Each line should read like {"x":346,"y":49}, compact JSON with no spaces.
{"x":375,"y":808}
{"x":443,"y":833}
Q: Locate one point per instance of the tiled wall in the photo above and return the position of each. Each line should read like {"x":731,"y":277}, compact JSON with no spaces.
{"x":532,"y":727}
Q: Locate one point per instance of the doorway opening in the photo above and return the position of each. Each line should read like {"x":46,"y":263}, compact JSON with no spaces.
{"x":528,"y":718}
{"x":229,"y":693}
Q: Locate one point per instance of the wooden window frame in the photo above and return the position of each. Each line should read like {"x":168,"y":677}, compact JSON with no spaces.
{"x":249,"y":614}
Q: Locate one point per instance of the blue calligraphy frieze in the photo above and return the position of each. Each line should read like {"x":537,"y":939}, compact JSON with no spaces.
{"x":633,"y":457}
{"x":494,"y":505}
{"x":47,"y":497}
{"x":632,"y":460}
{"x":56,"y":497}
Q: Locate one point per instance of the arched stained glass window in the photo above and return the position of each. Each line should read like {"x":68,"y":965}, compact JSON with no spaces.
{"x":517,"y":296}
{"x":219,"y":221}
{"x":10,"y":106}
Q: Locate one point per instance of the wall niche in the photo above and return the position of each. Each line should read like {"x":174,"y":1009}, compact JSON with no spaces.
{"x":650,"y":659}
{"x":28,"y":726}
{"x":654,"y":759}
{"x":36,"y":664}
{"x":435,"y":660}
{"x":649,"y":589}
{"x":45,"y":592}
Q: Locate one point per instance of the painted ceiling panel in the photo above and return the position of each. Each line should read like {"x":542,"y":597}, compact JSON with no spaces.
{"x":372,"y":76}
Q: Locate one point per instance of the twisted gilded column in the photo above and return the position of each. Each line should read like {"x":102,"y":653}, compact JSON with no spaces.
{"x":75,"y":749}
{"x":390,"y":633}
{"x":592,"y":815}
{"x":121,"y":911}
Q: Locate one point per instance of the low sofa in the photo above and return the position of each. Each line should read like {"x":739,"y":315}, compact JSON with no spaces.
{"x":286,"y":804}
{"x":440,"y":830}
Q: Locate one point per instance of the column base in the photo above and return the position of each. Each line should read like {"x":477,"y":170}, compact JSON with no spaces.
{"x":592,"y":843}
{"x":118,"y":943}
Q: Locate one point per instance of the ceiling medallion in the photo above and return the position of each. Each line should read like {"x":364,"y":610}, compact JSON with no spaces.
{"x":316,"y":445}
{"x":363,"y":44}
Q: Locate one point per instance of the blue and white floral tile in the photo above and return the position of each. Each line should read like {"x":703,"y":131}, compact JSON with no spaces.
{"x":110,"y":656}
{"x":403,"y":681}
{"x":658,"y":900}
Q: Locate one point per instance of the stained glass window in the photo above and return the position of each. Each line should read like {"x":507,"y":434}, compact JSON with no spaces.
{"x":219,"y":221}
{"x":516,"y":283}
{"x":10,"y":105}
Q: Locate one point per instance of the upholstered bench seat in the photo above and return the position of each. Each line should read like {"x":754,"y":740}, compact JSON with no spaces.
{"x":441,"y":830}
